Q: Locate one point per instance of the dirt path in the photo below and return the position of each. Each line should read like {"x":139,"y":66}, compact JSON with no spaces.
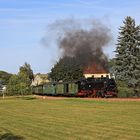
{"x":96,"y":99}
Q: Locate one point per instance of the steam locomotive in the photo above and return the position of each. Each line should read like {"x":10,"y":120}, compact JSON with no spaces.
{"x":87,"y":87}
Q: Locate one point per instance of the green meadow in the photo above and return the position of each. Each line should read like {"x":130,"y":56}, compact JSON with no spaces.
{"x":68,"y":119}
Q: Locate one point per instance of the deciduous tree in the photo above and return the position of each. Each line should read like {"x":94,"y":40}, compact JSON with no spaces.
{"x":67,"y":69}
{"x":26,"y":69}
{"x":20,"y":84}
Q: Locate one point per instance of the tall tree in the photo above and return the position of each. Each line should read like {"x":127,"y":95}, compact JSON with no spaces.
{"x":128,"y":53}
{"x":26,"y":69}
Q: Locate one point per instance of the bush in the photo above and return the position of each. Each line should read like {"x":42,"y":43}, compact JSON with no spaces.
{"x":124,"y":91}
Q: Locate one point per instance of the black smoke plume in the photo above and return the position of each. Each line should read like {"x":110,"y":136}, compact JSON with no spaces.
{"x":83,"y":40}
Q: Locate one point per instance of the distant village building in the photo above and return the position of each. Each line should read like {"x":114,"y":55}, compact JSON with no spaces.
{"x":40,"y":79}
{"x":96,"y":71}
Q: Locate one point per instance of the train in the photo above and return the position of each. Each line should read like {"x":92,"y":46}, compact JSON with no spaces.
{"x":85,"y":87}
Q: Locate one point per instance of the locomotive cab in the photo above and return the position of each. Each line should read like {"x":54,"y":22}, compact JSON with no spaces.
{"x":111,"y":88}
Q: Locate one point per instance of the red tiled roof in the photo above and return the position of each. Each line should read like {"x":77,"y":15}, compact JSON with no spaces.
{"x":95,"y":69}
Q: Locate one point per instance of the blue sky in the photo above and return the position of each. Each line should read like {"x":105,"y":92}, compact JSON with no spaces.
{"x":23,"y":23}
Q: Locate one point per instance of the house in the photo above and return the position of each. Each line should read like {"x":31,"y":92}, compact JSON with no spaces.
{"x":96,"y":71}
{"x":40,"y":79}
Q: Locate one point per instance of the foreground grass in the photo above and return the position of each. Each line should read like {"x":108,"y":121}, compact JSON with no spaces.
{"x":69,"y":119}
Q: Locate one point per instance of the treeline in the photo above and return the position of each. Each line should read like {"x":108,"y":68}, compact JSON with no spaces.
{"x":4,"y":77}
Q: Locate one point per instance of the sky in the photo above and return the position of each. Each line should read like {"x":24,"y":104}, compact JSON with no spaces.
{"x":23,"y":23}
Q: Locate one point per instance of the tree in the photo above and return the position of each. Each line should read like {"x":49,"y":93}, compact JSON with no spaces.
{"x":20,"y":84}
{"x":12,"y":87}
{"x":67,"y":69}
{"x":26,"y":69}
{"x":127,"y":63}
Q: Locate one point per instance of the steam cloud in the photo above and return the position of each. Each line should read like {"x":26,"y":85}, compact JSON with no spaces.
{"x":83,"y":40}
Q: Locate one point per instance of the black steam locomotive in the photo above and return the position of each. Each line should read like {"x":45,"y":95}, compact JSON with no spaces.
{"x":98,"y":87}
{"x":87,"y":87}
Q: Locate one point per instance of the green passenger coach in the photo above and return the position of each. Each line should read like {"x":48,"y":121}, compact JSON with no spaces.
{"x":56,"y":89}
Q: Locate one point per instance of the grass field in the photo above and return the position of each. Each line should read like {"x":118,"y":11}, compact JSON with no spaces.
{"x":69,"y":119}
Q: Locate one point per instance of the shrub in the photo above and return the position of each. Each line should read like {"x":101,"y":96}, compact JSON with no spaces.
{"x":124,"y":91}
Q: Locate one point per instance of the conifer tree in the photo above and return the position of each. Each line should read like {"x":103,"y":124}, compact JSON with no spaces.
{"x":128,"y":53}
